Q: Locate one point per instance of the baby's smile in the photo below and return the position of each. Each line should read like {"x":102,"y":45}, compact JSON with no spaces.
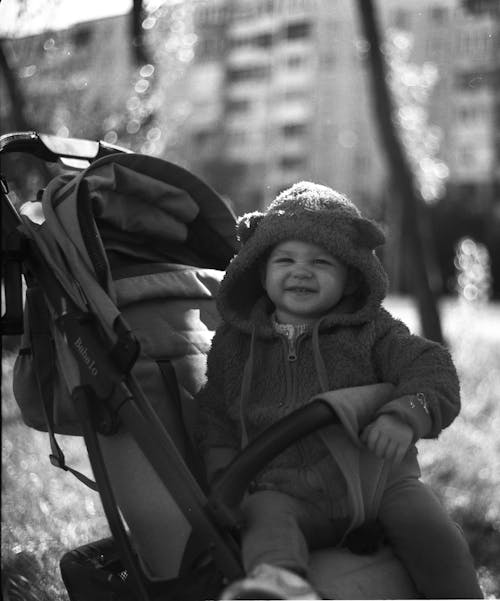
{"x":299,"y":290}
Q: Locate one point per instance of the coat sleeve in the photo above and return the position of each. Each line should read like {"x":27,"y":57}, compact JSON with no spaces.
{"x":427,"y":389}
{"x":215,"y":433}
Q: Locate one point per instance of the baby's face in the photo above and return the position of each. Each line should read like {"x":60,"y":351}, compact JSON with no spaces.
{"x":303,"y":281}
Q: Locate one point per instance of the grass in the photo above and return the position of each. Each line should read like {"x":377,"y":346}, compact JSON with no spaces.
{"x":46,"y":512}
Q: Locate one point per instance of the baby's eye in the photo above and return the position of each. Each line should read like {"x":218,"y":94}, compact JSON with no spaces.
{"x":282,"y":260}
{"x":321,"y":261}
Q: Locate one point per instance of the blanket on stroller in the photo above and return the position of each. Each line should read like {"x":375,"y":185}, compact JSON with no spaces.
{"x":134,"y":238}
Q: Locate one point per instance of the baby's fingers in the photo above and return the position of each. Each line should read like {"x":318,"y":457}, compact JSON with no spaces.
{"x":383,"y":447}
{"x":369,"y":437}
{"x":376,"y":442}
{"x":399,"y":455}
{"x":394,"y":452}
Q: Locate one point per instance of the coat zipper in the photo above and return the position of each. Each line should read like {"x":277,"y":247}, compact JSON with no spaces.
{"x":292,"y":347}
{"x":291,"y":352}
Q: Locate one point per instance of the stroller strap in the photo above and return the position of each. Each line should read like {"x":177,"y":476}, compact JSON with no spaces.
{"x":43,"y":357}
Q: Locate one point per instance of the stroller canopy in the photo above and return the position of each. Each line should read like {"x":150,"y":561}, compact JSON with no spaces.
{"x":133,"y":208}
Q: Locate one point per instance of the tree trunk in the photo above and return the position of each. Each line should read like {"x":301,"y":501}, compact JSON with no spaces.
{"x":14,"y":93}
{"x":17,"y":110}
{"x":401,"y":176}
{"x":139,"y":53}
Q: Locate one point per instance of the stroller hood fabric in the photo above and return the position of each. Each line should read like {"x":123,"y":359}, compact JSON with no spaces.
{"x":129,"y":206}
{"x":128,"y":232}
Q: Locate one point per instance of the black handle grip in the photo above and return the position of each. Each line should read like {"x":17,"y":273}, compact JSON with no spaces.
{"x":53,"y":148}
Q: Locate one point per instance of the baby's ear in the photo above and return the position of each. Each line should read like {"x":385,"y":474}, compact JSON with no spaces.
{"x":369,"y":233}
{"x":247,"y":224}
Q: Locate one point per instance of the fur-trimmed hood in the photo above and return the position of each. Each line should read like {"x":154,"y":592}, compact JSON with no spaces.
{"x":311,"y":213}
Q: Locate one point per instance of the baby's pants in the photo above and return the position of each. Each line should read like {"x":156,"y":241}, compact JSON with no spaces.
{"x":428,"y":542}
{"x":281,"y":529}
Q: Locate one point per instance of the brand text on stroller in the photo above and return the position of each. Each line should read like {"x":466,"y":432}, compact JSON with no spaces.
{"x":82,"y":350}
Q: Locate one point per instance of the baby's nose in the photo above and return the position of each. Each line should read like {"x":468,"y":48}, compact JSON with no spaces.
{"x":302,"y":270}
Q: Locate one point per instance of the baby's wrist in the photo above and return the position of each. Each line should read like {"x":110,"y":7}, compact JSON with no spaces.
{"x":413,"y":410}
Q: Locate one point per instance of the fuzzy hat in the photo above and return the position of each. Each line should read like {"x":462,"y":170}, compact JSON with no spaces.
{"x":311,"y":213}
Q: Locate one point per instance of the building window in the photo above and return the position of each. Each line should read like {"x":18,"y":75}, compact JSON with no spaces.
{"x":472,"y":113}
{"x":481,"y":7}
{"x":292,"y":162}
{"x":474,"y":80}
{"x":296,"y":61}
{"x":209,"y":48}
{"x":466,"y":156}
{"x":248,"y":73}
{"x":238,"y":106}
{"x":264,"y":40}
{"x":269,"y":6}
{"x":438,"y":15}
{"x":475,"y":43}
{"x":295,"y":94}
{"x":291,"y":130}
{"x":298,"y":30}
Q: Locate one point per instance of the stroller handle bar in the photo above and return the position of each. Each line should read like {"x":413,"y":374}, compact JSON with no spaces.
{"x":54,"y":148}
{"x":71,"y":152}
{"x":229,"y":488}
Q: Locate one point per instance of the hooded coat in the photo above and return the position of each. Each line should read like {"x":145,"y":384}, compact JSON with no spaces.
{"x":255,"y":378}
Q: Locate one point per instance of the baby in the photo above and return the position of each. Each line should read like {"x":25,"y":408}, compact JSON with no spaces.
{"x":301,"y":307}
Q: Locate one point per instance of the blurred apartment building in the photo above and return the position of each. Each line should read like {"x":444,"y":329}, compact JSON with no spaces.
{"x":280,"y":92}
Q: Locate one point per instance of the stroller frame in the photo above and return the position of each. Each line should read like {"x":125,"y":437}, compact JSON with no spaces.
{"x":214,"y":518}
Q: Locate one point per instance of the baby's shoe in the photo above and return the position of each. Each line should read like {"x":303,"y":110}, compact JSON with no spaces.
{"x":270,"y":582}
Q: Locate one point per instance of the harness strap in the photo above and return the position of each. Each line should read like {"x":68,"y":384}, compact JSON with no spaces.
{"x":245,"y":389}
{"x":44,"y":361}
{"x":319,"y":362}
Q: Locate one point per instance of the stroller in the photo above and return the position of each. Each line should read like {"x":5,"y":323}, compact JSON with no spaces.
{"x":118,"y":317}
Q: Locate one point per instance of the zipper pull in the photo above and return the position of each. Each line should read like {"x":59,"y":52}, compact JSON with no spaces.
{"x":292,"y":353}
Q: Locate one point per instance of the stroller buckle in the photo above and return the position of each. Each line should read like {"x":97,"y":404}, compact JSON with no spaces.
{"x":57,"y":461}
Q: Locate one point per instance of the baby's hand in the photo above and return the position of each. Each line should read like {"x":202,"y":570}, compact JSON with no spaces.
{"x":388,"y":437}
